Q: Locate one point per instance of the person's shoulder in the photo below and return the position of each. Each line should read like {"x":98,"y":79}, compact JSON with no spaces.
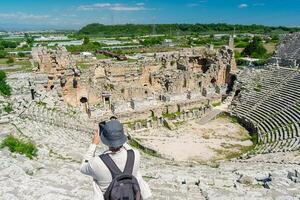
{"x":136,"y":152}
{"x":96,"y":161}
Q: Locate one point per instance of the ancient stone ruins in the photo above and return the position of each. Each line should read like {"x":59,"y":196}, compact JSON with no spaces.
{"x":161,"y":98}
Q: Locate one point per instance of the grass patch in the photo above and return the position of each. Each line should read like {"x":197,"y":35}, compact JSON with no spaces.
{"x":26,"y":148}
{"x":134,"y":143}
{"x":41,"y":103}
{"x":3,"y":61}
{"x":258,"y":87}
{"x":82,"y":65}
{"x":131,"y":124}
{"x":131,"y":60}
{"x":8,"y":108}
{"x":245,"y":136}
{"x":171,"y":115}
{"x":254,"y":138}
{"x":101,"y":56}
{"x":149,"y":177}
{"x":224,"y":115}
{"x":59,"y":156}
{"x":179,"y":123}
{"x":216,"y":104}
{"x":231,"y":151}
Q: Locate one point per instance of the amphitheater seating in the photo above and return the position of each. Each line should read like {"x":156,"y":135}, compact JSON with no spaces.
{"x":271,"y":103}
{"x":289,"y":47}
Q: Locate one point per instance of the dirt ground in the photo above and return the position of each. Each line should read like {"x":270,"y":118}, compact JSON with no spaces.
{"x":218,"y":139}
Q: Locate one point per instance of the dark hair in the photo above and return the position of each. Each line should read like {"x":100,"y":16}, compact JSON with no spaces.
{"x":113,"y":118}
{"x":115,"y":149}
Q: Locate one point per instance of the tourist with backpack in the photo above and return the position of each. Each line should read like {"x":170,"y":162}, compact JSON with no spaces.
{"x":115,"y":173}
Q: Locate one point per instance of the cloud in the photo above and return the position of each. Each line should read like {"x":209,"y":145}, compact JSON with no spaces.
{"x":195,"y":4}
{"x":23,"y":16}
{"x":192,"y":4}
{"x":29,"y":19}
{"x":243,"y":5}
{"x":140,"y":4}
{"x":114,"y":7}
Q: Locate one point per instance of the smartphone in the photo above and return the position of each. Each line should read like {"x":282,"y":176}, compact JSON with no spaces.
{"x":101,"y":124}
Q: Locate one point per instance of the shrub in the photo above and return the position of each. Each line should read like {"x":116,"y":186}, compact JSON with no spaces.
{"x":2,"y":75}
{"x":241,"y":44}
{"x":8,"y":108}
{"x":4,"y":87}
{"x":260,"y":62}
{"x":255,"y":49}
{"x":152,"y":41}
{"x":86,"y":40}
{"x":26,"y":148}
{"x":21,"y":54}
{"x":8,"y":44}
{"x":91,"y":46}
{"x":10,"y":60}
{"x":241,"y":62}
{"x":237,"y":55}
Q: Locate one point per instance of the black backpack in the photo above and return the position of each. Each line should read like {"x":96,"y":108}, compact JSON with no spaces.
{"x":124,"y":185}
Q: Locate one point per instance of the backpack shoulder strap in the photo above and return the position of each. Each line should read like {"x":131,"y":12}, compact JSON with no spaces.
{"x":130,"y":162}
{"x":111,"y":165}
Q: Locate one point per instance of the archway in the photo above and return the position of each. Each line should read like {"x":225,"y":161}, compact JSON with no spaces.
{"x":213,"y":80}
{"x":203,"y":63}
{"x":231,"y":83}
{"x":75,"y":83}
{"x":83,"y":100}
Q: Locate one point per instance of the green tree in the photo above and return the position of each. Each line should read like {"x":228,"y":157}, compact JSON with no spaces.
{"x":21,"y":54}
{"x":8,"y":44}
{"x":29,"y":39}
{"x":255,"y":49}
{"x":86,"y":40}
{"x":152,"y":41}
{"x":3,"y":54}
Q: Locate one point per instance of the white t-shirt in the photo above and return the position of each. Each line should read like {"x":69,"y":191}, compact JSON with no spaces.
{"x":93,"y":166}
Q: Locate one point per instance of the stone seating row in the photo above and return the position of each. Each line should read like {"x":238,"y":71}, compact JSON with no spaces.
{"x":276,"y":113}
{"x":254,"y":97}
{"x":279,"y":146}
{"x":58,"y":119}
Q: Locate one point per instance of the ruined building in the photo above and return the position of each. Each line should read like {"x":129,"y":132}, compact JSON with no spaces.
{"x":59,"y":73}
{"x":172,"y":77}
{"x":188,"y":77}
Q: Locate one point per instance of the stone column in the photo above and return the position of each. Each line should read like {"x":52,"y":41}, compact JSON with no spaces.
{"x":149,"y":123}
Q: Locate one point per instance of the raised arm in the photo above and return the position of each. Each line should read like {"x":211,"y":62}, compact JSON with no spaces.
{"x":85,"y":167}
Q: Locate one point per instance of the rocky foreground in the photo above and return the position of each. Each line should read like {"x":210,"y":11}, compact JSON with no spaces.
{"x":54,"y":174}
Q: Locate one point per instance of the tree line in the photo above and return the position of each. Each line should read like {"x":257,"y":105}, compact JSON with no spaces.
{"x":132,"y":30}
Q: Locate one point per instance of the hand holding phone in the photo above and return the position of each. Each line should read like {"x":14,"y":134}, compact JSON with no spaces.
{"x":101,"y":124}
{"x":96,"y":138}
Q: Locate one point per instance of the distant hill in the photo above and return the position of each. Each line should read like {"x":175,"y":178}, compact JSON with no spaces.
{"x":177,"y":29}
